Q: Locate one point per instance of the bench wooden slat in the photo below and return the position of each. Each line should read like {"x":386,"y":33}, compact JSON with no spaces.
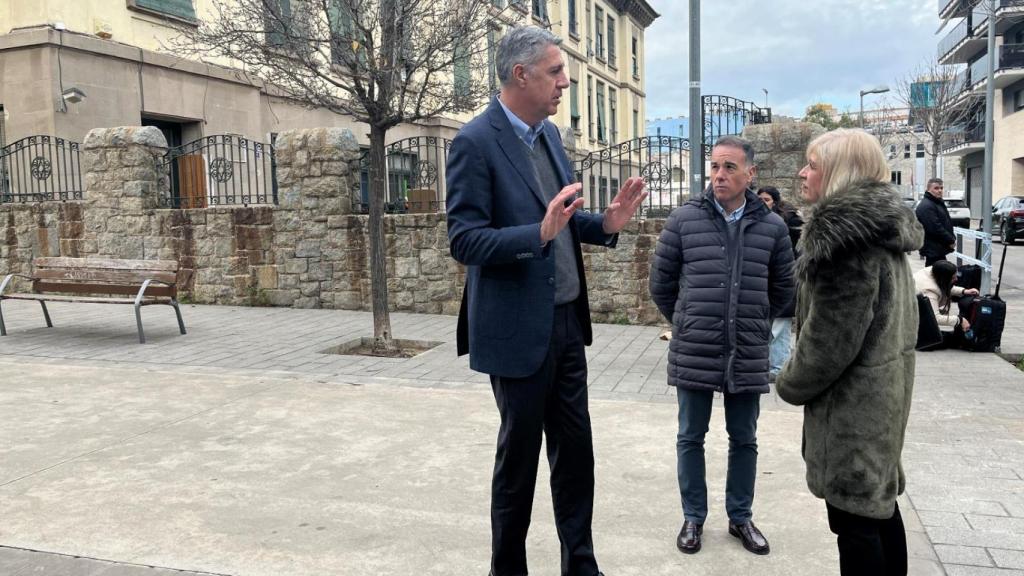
{"x":89,"y":299}
{"x":105,"y":263}
{"x":99,"y":276}
{"x":76,"y":288}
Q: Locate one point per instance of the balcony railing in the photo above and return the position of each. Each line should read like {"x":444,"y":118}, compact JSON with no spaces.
{"x":960,"y":136}
{"x":978,"y":72}
{"x":1011,"y":56}
{"x":960,"y":83}
{"x":961,"y":32}
{"x":979,"y":16}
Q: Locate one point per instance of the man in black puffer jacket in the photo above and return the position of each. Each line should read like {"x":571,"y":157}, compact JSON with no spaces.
{"x":722,"y":269}
{"x":938,"y":228}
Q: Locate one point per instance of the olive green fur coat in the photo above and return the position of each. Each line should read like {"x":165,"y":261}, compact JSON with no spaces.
{"x":852,"y":367}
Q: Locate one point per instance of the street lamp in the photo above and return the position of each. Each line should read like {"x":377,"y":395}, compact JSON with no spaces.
{"x":765,"y":90}
{"x":875,"y":90}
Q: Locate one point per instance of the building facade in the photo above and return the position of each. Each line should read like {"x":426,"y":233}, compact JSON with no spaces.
{"x":68,"y":66}
{"x":966,"y":46}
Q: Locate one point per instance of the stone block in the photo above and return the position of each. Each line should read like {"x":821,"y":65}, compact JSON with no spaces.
{"x":307,"y":303}
{"x":281,"y":297}
{"x":296,"y":265}
{"x":266,"y":277}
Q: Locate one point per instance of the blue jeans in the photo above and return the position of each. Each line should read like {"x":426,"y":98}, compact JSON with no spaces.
{"x":782,"y":338}
{"x":741,"y":412}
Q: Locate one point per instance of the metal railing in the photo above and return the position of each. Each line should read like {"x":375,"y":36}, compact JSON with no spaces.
{"x":661,"y":161}
{"x":978,"y":72}
{"x":1011,"y":56}
{"x":979,"y":17}
{"x":959,"y":136}
{"x":40,"y":168}
{"x":220,"y":170}
{"x":415,"y":176}
{"x":958,"y":34}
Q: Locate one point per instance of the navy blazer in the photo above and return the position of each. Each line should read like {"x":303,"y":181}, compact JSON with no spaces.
{"x":495,"y":207}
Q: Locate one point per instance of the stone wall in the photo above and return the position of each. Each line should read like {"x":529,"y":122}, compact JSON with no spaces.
{"x":310,"y":251}
{"x":780,"y":151}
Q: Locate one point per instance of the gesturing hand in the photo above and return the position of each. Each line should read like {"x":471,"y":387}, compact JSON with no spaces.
{"x":971,"y":292}
{"x":560,"y":209}
{"x":624,"y":205}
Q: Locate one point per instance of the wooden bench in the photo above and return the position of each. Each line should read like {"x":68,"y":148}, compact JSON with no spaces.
{"x":84,"y":279}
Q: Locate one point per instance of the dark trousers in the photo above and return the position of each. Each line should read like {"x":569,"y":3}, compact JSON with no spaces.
{"x":930,"y":259}
{"x":552,"y":402}
{"x":741,"y":412}
{"x":869,"y":546}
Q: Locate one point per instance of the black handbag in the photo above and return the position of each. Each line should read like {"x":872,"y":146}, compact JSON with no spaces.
{"x":928,"y":334}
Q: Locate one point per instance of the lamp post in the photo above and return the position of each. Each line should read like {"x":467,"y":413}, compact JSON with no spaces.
{"x":765,"y":90}
{"x":875,"y":90}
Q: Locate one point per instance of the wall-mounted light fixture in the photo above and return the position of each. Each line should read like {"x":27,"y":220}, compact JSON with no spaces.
{"x":73,"y":95}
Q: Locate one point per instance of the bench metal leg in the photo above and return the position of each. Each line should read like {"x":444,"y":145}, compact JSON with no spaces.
{"x":46,"y":314}
{"x":177,"y":311}
{"x":138,"y":321}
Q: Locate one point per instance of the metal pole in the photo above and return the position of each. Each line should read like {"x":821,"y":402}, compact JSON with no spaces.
{"x":986,"y":190}
{"x":862,"y":110}
{"x":696,"y":117}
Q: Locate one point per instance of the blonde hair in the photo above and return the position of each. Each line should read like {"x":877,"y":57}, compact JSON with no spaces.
{"x":848,"y":155}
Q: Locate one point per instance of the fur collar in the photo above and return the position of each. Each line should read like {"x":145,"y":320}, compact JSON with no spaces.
{"x":863,"y":215}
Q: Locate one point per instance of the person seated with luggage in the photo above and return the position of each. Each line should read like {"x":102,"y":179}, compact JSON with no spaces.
{"x":936,"y":282}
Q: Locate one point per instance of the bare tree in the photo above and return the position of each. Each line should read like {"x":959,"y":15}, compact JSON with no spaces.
{"x":380,"y":62}
{"x":938,"y":102}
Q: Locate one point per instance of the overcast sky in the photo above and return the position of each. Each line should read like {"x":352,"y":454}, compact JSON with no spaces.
{"x":802,"y":52}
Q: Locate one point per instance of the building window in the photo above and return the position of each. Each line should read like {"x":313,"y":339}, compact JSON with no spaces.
{"x":636,"y":57}
{"x":540,"y":10}
{"x":896,"y":177}
{"x":572,"y":18}
{"x":636,"y":123}
{"x":590,"y":107}
{"x":498,"y":3}
{"x":601,"y":136}
{"x":602,"y":193}
{"x":1018,"y":100}
{"x":920,"y":150}
{"x":599,"y":31}
{"x":611,"y":39}
{"x":906,"y":151}
{"x":892,"y":151}
{"x":462,"y":74}
{"x":613,"y":115}
{"x":574,"y":104}
{"x":177,"y":8}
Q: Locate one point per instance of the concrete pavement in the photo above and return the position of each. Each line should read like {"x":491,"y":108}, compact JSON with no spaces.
{"x":240,"y":449}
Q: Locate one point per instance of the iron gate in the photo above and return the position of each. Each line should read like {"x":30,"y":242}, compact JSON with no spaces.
{"x":220,"y":170}
{"x":725,"y":115}
{"x":660,"y":160}
{"x":40,"y":168}
{"x":415,"y":176}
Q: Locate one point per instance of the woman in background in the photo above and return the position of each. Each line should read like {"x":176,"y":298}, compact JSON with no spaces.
{"x":937,"y":283}
{"x":852,"y":366}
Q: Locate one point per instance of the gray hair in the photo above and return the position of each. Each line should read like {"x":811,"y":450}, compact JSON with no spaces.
{"x":934,"y":181}
{"x":737,"y":142}
{"x":522,"y":45}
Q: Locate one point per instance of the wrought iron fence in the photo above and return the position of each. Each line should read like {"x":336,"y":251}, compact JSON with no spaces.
{"x":660,"y":160}
{"x":725,"y":115}
{"x":220,"y":170}
{"x":40,"y":168}
{"x":415,"y":176}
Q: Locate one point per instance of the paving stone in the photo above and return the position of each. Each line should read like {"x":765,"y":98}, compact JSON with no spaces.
{"x":1007,"y":558}
{"x":952,"y":554}
{"x":944,"y":519}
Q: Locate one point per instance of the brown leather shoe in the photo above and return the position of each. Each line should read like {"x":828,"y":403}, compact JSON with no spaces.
{"x":688,"y":540}
{"x":751,"y":537}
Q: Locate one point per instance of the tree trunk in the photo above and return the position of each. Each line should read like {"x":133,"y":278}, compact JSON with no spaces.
{"x":382,"y":341}
{"x":935,"y":158}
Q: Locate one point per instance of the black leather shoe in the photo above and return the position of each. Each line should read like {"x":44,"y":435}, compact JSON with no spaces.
{"x":751,"y":537}
{"x":688,"y":540}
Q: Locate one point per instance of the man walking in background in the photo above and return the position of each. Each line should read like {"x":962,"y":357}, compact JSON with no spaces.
{"x":938,"y":228}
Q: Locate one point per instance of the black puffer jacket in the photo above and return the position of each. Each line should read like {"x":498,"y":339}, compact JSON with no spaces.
{"x":719,"y":296}
{"x":938,"y":228}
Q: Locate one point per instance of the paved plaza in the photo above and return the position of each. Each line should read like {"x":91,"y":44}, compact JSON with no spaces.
{"x":241,"y":449}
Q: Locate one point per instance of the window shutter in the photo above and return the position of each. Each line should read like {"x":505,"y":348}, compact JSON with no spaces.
{"x":179,"y":8}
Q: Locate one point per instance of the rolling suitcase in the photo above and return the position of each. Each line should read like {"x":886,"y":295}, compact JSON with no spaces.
{"x":969,"y":276}
{"x":987,"y":315}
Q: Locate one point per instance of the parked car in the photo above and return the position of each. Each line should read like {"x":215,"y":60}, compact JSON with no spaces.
{"x":1008,"y":218}
{"x":959,"y":213}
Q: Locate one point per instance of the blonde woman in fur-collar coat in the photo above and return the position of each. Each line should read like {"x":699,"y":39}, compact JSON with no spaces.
{"x":852,"y":367}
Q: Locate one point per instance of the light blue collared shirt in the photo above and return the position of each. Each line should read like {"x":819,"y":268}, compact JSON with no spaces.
{"x":735,"y":216}
{"x":526,"y":133}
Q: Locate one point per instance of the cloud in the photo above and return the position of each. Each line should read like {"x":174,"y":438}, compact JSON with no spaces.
{"x":801,"y":52}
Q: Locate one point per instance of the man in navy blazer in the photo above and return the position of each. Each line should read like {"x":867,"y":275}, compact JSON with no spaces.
{"x":514,"y":222}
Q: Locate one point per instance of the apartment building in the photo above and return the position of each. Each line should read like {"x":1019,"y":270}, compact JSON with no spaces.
{"x":67,"y":66}
{"x":966,"y":45}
